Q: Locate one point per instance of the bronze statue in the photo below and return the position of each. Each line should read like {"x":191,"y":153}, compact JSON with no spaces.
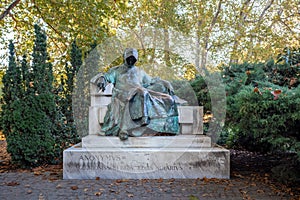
{"x":140,"y":104}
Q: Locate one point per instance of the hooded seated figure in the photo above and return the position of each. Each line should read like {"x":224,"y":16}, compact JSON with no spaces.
{"x":140,"y":104}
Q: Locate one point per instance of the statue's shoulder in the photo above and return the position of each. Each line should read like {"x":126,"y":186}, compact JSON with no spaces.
{"x":116,"y":68}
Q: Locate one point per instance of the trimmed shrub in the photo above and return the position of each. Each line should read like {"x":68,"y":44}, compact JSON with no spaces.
{"x":263,"y":106}
{"x":33,"y":125}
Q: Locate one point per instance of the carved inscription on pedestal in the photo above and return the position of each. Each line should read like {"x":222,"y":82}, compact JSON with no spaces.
{"x":143,"y":162}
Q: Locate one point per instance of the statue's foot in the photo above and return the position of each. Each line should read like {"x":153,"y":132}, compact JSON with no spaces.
{"x":145,"y":121}
{"x":123,"y":135}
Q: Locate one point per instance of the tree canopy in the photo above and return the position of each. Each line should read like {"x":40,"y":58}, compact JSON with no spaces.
{"x":222,"y":31}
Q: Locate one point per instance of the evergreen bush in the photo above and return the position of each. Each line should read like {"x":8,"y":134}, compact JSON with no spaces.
{"x":263,"y":106}
{"x":31,"y":121}
{"x":201,"y":90}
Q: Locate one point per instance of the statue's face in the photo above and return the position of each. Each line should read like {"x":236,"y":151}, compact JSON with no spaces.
{"x":131,"y":60}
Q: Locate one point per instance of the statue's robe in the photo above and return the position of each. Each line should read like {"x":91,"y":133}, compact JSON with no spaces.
{"x":139,"y":103}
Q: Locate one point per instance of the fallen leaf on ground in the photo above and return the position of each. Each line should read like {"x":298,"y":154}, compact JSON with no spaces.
{"x":226,"y":188}
{"x":243,"y":192}
{"x":160,"y":180}
{"x":98,"y":193}
{"x":37,"y":173}
{"x":74,"y":187}
{"x":121,"y":180}
{"x":53,"y":179}
{"x":172,"y":180}
{"x":13,"y":183}
{"x":205,"y":179}
{"x":130,"y":195}
{"x":238,"y":175}
{"x":145,"y":180}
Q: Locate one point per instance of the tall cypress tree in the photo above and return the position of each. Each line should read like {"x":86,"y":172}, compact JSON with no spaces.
{"x":10,"y":92}
{"x":30,"y":118}
{"x":45,"y":101}
{"x":25,"y":78}
{"x":71,"y":71}
{"x":12,"y":78}
{"x":42,"y":69}
{"x":76,"y":59}
{"x":65,"y":95}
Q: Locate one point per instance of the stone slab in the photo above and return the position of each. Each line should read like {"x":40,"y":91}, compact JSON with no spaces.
{"x":100,"y":100}
{"x":179,"y":141}
{"x":94,"y":125}
{"x":190,"y":119}
{"x":145,"y":163}
{"x":101,"y":113}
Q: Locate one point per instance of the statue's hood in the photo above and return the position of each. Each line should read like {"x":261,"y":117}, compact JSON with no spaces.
{"x":130,"y":52}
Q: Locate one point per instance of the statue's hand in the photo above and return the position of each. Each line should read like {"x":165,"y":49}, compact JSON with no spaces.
{"x":168,"y":86}
{"x":171,"y":92}
{"x":101,"y":86}
{"x":101,"y":83}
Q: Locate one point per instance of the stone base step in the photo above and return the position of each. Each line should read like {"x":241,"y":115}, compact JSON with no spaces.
{"x":178,"y":141}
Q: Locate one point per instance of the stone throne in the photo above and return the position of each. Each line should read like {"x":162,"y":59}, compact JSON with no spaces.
{"x":187,"y":155}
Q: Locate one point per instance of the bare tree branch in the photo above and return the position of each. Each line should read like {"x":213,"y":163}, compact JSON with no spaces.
{"x":14,"y":20}
{"x":213,"y":22}
{"x":288,"y":28}
{"x":38,"y":9}
{"x":50,"y":25}
{"x":17,"y":22}
{"x":281,"y":20}
{"x":241,"y":20}
{"x":243,"y":15}
{"x":10,"y":7}
{"x":205,"y":48}
{"x":262,"y":13}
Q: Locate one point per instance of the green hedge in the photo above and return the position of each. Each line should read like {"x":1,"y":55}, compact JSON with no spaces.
{"x":255,"y":118}
{"x":260,"y":122}
{"x":36,"y":117}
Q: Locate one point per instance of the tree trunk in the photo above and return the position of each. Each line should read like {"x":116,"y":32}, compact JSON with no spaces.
{"x":10,"y":7}
{"x":167,"y":48}
{"x":198,"y":47}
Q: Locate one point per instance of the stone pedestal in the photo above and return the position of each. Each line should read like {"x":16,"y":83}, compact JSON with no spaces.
{"x":145,"y":163}
{"x":183,"y":156}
